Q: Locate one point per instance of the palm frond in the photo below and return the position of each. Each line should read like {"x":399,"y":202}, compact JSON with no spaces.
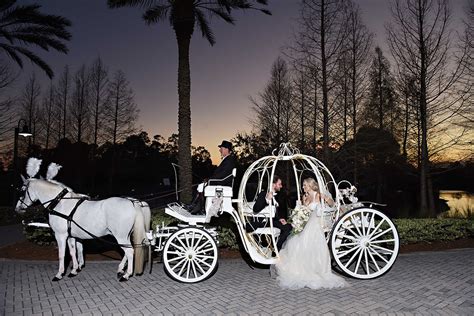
{"x":156,"y":14}
{"x":10,"y":50}
{"x":130,"y":3}
{"x":222,"y":14}
{"x":204,"y":26}
{"x":5,"y":4}
{"x":36,"y":60}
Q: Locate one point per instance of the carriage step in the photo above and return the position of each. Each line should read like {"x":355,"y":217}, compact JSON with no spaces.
{"x":178,"y":211}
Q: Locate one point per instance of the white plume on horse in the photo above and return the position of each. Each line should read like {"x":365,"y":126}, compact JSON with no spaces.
{"x":32,"y":166}
{"x":53,"y":170}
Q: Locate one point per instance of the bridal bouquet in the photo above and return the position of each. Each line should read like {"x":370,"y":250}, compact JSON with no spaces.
{"x":299,"y":217}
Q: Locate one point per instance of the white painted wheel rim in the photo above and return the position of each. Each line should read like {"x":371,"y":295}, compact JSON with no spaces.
{"x":190,"y":255}
{"x":364,"y":243}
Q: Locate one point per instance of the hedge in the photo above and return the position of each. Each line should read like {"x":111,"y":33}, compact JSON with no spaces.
{"x":410,"y":230}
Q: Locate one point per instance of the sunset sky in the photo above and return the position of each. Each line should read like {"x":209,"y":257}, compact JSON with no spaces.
{"x":223,"y":76}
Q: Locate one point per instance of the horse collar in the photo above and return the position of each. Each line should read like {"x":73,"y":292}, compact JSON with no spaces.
{"x":54,"y":202}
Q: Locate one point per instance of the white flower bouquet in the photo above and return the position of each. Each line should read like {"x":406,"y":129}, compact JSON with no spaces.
{"x":299,"y":217}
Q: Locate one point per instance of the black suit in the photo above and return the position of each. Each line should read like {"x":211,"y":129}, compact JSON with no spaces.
{"x":260,"y":204}
{"x":223,"y":170}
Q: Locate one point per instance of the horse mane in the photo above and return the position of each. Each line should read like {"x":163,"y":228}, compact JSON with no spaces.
{"x":71,"y":192}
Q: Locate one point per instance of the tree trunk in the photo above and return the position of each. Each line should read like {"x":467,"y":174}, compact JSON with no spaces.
{"x":183,"y":35}
{"x":324,"y":85}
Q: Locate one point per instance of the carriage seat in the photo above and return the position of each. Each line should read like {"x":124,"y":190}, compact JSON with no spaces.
{"x":214,"y":187}
{"x":268,"y":212}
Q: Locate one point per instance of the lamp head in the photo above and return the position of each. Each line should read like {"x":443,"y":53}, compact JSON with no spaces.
{"x":25,"y":131}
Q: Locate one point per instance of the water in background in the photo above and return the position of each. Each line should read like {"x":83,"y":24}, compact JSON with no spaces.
{"x":461,"y":203}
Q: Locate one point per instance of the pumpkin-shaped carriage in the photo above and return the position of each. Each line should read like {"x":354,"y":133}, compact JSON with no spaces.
{"x":362,"y":240}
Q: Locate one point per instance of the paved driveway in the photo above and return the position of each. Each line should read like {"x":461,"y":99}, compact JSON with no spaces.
{"x":428,"y":283}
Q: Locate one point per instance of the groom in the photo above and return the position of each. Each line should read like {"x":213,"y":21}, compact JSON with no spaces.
{"x":263,"y":200}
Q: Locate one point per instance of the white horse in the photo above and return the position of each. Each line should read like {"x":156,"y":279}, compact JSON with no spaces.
{"x":145,"y":208}
{"x":117,"y":216}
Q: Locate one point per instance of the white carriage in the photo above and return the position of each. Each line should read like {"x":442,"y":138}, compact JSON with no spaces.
{"x":362,"y":240}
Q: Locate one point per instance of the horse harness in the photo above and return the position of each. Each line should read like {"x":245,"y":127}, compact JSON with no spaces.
{"x":69,"y":218}
{"x":54,"y":202}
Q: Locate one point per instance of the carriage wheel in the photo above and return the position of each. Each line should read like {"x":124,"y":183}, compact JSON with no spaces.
{"x":190,"y":255}
{"x":364,"y":243}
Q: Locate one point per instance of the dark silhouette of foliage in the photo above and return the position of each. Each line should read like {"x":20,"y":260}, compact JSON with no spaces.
{"x":22,"y":26}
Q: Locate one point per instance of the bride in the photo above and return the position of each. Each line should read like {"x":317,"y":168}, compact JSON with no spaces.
{"x":304,"y":259}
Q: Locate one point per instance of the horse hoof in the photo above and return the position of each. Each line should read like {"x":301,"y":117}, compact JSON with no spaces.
{"x":139,"y":274}
{"x":56,"y":279}
{"x":122,"y":279}
{"x":120,"y":274}
{"x":71,"y":275}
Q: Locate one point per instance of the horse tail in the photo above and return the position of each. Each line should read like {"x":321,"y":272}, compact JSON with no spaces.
{"x":146,"y":215}
{"x":139,"y":236}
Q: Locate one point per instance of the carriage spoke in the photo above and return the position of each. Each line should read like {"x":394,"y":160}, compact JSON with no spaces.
{"x":362,"y":223}
{"x":199,"y":241}
{"x":204,"y":262}
{"x":178,"y":264}
{"x":193,"y":265}
{"x":202,"y":246}
{"x":199,"y":267}
{"x":382,"y":233}
{"x":375,"y":252}
{"x":366,"y":261}
{"x":355,"y":224}
{"x":176,"y":258}
{"x":349,"y":244}
{"x":359,"y":259}
{"x":348,"y":252}
{"x":178,"y":247}
{"x":343,"y":235}
{"x":352,"y":258}
{"x":188,"y":269}
{"x":381,"y":241}
{"x":373,"y":259}
{"x":382,"y":248}
{"x":204,"y":257}
{"x":376,"y":228}
{"x":181,"y":242}
{"x":204,"y":250}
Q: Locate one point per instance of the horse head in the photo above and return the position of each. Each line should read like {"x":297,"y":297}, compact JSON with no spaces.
{"x":34,"y":190}
{"x":27,"y":196}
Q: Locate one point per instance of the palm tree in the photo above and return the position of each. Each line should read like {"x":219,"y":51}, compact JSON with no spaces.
{"x":25,"y":25}
{"x":183,"y":15}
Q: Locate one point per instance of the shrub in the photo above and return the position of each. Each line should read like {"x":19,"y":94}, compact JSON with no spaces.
{"x":433,"y":229}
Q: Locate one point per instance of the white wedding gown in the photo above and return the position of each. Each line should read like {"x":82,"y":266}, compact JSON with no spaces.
{"x":305,"y":260}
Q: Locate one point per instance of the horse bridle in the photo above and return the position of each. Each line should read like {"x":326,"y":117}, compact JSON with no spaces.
{"x":22,"y":196}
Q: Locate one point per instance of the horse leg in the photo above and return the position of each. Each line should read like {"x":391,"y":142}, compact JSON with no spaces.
{"x":129,"y":256}
{"x":121,"y":270}
{"x":80,"y":255}
{"x":72,"y":251}
{"x":61,"y":240}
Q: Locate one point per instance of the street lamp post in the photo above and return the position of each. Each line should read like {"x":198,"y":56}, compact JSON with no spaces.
{"x":25,"y":132}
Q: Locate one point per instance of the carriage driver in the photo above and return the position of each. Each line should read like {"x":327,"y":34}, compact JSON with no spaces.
{"x":221,"y":176}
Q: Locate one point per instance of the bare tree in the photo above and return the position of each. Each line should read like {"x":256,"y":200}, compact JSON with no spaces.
{"x":381,"y":107}
{"x":274,"y":111}
{"x":30,"y":105}
{"x":121,"y":111}
{"x":7,"y":114}
{"x":47,"y":115}
{"x":420,"y":42}
{"x":319,"y":43}
{"x":63,"y":100}
{"x":99,"y":81}
{"x":80,"y":105}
